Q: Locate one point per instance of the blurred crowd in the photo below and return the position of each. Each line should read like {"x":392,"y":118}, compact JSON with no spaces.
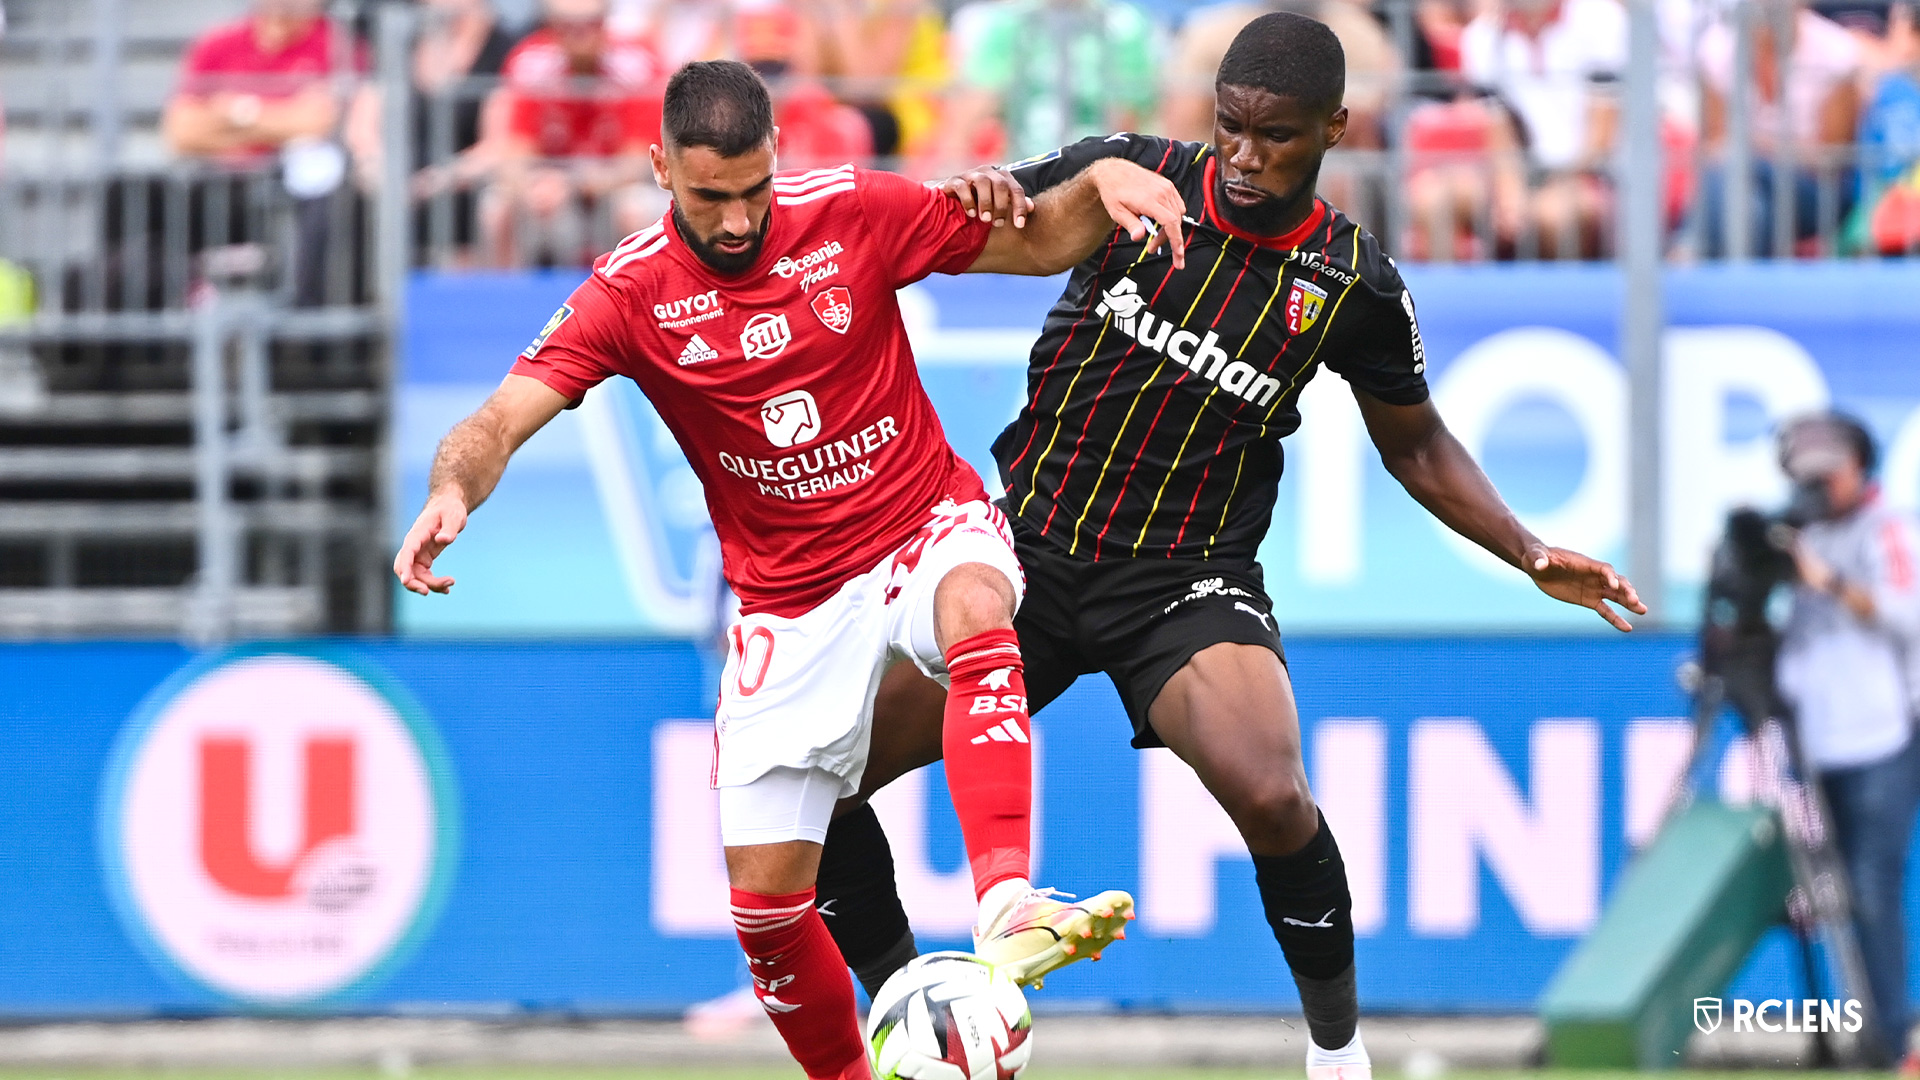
{"x":1498,"y":118}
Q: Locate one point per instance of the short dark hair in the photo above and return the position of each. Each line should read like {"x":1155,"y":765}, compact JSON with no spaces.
{"x":719,"y":104}
{"x":1831,"y":426}
{"x":1288,"y":55}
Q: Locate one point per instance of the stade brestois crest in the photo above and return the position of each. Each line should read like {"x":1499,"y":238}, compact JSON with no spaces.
{"x":277,"y":826}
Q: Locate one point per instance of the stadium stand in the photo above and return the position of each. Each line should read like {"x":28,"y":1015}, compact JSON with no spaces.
{"x":152,"y":275}
{"x":124,"y":260}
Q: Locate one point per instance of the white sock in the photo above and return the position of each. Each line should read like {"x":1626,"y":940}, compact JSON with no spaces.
{"x":998,"y":897}
{"x":1351,"y":1054}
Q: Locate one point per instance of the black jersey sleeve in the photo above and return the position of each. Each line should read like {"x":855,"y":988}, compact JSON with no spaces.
{"x":1037,"y":174}
{"x":1379,"y":347}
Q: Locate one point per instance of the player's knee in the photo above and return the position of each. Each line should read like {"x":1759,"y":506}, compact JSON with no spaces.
{"x":1276,"y":806}
{"x":773,"y":869}
{"x":972,"y":598}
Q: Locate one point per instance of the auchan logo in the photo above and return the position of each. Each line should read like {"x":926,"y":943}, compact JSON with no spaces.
{"x":274,"y":825}
{"x":1128,"y":309}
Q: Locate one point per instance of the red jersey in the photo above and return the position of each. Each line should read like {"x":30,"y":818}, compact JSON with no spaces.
{"x":229,"y":58}
{"x":552,"y":108}
{"x":790,"y":387}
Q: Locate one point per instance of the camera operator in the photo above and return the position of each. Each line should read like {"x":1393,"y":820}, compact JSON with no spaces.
{"x":1848,"y":661}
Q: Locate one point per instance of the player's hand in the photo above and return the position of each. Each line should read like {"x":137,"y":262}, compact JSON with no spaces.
{"x":1143,"y":202}
{"x":442,"y":519}
{"x":990,"y":193}
{"x":1573,"y":578}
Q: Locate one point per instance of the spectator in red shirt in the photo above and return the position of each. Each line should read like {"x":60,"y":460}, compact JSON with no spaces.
{"x":249,"y":87}
{"x":782,"y":43}
{"x":259,"y":86}
{"x":580,"y":109}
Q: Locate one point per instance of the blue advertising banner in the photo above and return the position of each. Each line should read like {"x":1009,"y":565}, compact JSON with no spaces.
{"x":453,"y":826}
{"x":600,"y":526}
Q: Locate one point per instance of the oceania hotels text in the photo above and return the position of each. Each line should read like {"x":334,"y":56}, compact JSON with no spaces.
{"x":826,"y":467}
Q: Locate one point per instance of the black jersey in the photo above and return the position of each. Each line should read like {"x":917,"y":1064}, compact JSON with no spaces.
{"x":1157,"y":398}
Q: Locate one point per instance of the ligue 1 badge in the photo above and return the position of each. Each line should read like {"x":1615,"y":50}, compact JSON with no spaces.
{"x":565,"y":313}
{"x":835,"y":308}
{"x":1304,"y":304}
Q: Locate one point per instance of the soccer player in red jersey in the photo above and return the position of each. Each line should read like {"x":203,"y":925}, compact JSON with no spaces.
{"x":759,"y":316}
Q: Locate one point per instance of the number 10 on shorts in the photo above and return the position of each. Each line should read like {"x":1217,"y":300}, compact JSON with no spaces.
{"x":747,"y":644}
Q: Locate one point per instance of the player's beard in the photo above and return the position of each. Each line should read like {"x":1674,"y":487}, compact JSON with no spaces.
{"x":722,"y":261}
{"x":1269,"y":216}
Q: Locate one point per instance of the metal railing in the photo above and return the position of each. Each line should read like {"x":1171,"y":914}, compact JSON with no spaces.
{"x":136,"y":234}
{"x":1453,"y":174}
{"x":194,"y":412}
{"x":229,"y":505}
{"x":145,"y":239}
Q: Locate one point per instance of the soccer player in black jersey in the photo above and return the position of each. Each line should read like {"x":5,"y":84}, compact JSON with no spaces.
{"x":1141,"y":476}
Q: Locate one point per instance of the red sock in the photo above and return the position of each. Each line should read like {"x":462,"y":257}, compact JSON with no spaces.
{"x":989,"y":755}
{"x":801,"y":981}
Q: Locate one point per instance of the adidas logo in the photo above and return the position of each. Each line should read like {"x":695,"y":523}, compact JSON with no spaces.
{"x":696,"y":351}
{"x":1004,"y":731}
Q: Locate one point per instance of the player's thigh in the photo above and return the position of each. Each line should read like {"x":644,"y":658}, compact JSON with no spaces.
{"x":971,"y":537}
{"x":908,"y":714}
{"x":797,"y":692}
{"x":1229,"y":713}
{"x":773,"y":827}
{"x":1051,"y":661}
{"x":1051,"y":647}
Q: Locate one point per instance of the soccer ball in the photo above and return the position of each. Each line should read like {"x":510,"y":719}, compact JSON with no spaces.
{"x":949,"y":1016}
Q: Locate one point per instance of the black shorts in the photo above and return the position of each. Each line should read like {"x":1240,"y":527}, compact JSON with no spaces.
{"x":1138,"y":620}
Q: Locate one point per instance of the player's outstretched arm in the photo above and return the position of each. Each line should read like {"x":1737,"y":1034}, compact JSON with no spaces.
{"x":1071,"y":220}
{"x":1437,"y":471}
{"x":468,"y":464}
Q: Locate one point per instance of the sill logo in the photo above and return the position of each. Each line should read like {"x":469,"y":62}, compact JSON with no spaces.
{"x":277,"y":826}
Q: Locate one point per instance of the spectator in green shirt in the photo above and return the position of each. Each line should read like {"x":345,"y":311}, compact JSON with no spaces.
{"x":1046,"y":73}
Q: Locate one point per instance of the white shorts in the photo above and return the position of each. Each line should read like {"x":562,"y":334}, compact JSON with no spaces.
{"x":797,"y":694}
{"x":783,"y":804}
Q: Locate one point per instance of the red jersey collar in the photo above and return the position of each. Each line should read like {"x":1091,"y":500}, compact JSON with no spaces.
{"x":1289,"y":240}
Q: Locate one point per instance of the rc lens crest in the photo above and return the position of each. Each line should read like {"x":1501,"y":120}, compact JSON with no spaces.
{"x":1304,"y":304}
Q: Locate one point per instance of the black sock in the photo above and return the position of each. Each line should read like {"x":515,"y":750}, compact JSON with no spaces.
{"x":1311,"y":913}
{"x":856,"y":897}
{"x":874,"y":973}
{"x":1332,"y":1007}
